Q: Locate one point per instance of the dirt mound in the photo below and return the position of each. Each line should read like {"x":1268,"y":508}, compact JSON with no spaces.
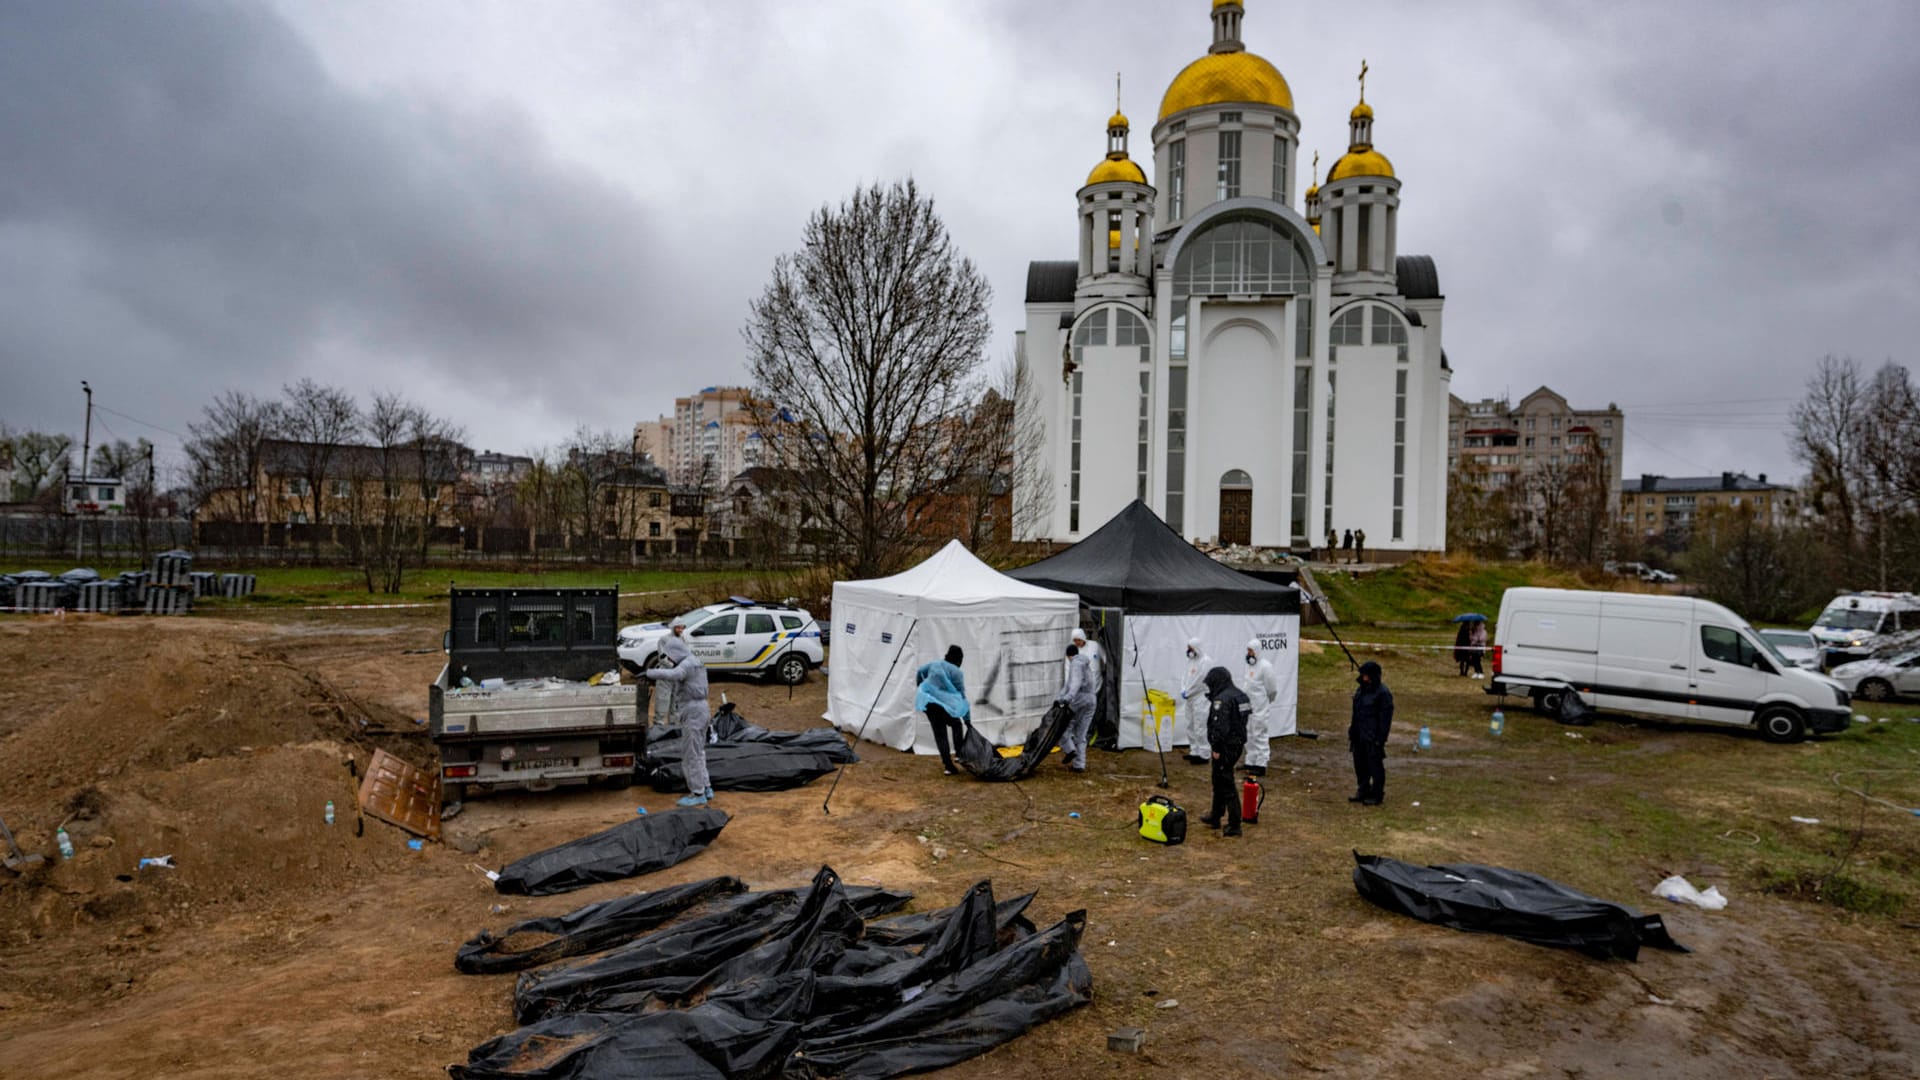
{"x":192,"y":742}
{"x":173,"y":698}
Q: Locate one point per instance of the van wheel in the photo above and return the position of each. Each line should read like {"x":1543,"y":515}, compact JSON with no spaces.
{"x":1875,"y":690}
{"x":792,"y":670}
{"x":620,"y":782}
{"x":1781,"y":725}
{"x":453,"y":792}
{"x":1547,"y":702}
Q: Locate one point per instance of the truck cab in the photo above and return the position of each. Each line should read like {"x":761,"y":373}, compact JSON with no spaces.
{"x":531,"y":695}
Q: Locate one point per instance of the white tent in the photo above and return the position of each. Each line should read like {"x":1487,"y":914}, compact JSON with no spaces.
{"x":1014,"y":634}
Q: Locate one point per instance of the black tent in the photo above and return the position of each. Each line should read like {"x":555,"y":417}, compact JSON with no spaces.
{"x":1136,"y":563}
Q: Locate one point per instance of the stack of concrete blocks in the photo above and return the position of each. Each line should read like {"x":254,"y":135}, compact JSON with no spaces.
{"x":100,"y":597}
{"x":38,"y":596}
{"x":133,"y":589}
{"x":171,"y":590}
{"x":234,"y":586}
{"x":205,"y":583}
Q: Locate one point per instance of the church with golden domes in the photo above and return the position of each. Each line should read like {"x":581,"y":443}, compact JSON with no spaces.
{"x":1257,"y":370}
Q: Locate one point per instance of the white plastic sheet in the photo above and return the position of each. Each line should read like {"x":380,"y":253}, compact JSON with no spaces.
{"x":1156,"y":655}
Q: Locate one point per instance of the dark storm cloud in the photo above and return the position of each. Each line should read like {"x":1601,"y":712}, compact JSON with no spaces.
{"x":189,"y":201}
{"x":537,"y":221}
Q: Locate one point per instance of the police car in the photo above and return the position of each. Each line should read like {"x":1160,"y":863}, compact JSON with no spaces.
{"x":738,"y":635}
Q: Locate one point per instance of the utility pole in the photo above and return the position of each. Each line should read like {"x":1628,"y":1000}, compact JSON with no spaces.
{"x":86,"y":450}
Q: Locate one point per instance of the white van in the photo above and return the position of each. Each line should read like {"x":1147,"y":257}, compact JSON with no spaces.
{"x":1850,"y":624}
{"x":1666,"y":656}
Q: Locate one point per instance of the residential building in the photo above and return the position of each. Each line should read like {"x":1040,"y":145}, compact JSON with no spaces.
{"x":1661,"y":506}
{"x":709,"y":439}
{"x":95,"y":495}
{"x":298,"y":483}
{"x":1199,"y":335}
{"x":1501,"y":445}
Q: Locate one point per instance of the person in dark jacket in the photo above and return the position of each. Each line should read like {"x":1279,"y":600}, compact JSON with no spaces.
{"x":942,"y":695}
{"x":1367,"y":735}
{"x":1227,"y":735}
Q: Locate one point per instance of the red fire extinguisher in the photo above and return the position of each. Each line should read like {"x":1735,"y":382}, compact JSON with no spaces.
{"x":1251,"y":796}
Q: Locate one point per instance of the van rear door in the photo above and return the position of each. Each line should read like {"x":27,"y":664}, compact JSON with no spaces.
{"x":1730,"y":674}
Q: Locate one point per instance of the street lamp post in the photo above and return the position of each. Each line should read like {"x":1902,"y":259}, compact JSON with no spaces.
{"x":86,"y":450}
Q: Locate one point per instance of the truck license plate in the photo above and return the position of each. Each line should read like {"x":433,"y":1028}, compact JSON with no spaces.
{"x":543,"y":763}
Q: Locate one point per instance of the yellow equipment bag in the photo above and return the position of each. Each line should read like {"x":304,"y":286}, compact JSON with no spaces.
{"x":1162,"y":822}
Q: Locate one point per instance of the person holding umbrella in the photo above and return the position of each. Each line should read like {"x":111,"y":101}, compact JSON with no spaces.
{"x":1469,"y":643}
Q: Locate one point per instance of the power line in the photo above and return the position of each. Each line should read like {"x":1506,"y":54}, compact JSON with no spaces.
{"x":143,"y":423}
{"x":1669,"y":453}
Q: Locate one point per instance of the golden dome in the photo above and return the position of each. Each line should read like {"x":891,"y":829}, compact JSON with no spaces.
{"x":1117,"y":169}
{"x":1361,"y":110}
{"x":1218,"y":4}
{"x":1367,"y":162}
{"x":1313,"y":192}
{"x":1117,"y":120}
{"x":1226,"y":77}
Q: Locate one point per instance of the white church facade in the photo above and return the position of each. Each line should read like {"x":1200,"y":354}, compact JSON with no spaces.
{"x":1257,"y":373}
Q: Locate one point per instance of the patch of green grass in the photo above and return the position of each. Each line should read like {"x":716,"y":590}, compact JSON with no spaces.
{"x":1433,"y":589}
{"x":294,"y":586}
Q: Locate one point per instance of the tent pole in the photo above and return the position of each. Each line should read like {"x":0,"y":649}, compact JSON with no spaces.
{"x":874,"y":705}
{"x":1327,"y":617}
{"x":1146,"y":709}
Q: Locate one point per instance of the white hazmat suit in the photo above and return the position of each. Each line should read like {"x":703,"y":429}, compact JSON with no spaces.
{"x":1263,"y":688}
{"x":1193,"y":701}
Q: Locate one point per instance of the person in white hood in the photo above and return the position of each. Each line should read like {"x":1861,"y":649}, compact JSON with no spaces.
{"x":1194,"y":704}
{"x":1263,"y":688}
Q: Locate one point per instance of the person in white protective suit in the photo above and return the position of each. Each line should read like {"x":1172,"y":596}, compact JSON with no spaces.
{"x":1093,"y":654}
{"x":1194,"y":704}
{"x":1263,"y":689}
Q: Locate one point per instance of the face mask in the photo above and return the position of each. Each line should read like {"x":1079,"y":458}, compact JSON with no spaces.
{"x":1250,"y":659}
{"x":1191,"y":655}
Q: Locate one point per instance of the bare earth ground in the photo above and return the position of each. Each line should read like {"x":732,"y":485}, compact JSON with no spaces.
{"x":281,"y":946}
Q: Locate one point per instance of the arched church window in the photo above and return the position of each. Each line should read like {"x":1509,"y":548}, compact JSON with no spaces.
{"x":1242,"y":253}
{"x":1235,"y":478}
{"x":1349,"y":328}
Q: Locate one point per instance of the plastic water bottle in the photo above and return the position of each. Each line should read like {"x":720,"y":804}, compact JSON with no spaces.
{"x":1498,"y":725}
{"x":1426,"y":738}
{"x":329,"y":811}
{"x":66,"y":843}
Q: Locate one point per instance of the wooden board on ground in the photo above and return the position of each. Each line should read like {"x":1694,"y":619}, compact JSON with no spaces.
{"x":401,"y":794}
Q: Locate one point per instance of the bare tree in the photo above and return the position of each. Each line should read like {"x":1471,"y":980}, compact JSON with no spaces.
{"x":862,"y":347}
{"x":223,"y":453}
{"x":1482,"y":517}
{"x":1024,"y":450}
{"x":1757,"y":568}
{"x":120,"y":459}
{"x":318,"y":420}
{"x":39,"y":461}
{"x":1829,"y":433}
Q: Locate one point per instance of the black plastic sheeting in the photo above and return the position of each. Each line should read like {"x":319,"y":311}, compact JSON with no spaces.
{"x":983,"y":761}
{"x":1495,"y":900}
{"x":670,"y":959}
{"x":641,"y":846}
{"x":591,"y":929}
{"x":746,"y":757}
{"x":795,"y":983}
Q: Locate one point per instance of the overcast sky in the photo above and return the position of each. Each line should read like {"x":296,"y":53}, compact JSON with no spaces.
{"x":536,"y":216}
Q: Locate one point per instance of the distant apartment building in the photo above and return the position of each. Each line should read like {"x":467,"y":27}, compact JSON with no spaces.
{"x":1502,"y":444}
{"x":709,"y":439}
{"x":1656,"y":506}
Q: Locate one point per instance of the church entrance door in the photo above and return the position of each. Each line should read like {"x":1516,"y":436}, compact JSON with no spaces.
{"x":1236,"y":516}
